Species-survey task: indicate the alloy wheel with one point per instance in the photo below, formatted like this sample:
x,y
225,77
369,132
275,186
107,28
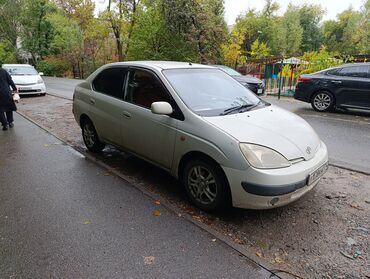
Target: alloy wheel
x,y
322,101
89,135
202,185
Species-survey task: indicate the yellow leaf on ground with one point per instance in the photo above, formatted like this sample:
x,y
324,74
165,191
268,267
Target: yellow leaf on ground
x,y
279,260
87,222
157,213
149,260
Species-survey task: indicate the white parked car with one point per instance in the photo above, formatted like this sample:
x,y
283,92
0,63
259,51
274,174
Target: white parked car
x,y
26,78
226,145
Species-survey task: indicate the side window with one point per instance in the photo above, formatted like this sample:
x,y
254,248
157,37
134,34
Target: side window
x,y
143,89
333,72
110,82
354,71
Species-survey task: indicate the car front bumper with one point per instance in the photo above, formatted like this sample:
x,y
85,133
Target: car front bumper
x,y
268,188
30,89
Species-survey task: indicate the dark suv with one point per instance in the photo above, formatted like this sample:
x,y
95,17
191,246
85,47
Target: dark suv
x,y
347,86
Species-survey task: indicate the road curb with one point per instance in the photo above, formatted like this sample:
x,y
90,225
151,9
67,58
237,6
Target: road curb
x,y
175,210
57,96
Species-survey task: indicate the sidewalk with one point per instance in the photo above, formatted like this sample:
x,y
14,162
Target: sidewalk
x,y
61,216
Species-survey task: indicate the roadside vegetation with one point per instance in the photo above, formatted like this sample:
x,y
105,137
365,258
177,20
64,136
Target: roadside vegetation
x,y
71,38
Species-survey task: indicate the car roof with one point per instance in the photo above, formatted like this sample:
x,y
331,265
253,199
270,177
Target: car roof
x,y
17,65
162,65
355,64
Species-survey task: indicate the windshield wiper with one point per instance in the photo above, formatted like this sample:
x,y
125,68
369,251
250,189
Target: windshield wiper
x,y
241,108
237,108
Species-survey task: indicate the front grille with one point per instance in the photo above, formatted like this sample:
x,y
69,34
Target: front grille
x,y
29,90
26,84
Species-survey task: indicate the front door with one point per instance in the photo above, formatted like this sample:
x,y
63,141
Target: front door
x,y
149,135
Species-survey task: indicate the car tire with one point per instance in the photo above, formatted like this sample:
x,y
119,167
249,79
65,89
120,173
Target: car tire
x,y
90,137
42,94
206,185
323,101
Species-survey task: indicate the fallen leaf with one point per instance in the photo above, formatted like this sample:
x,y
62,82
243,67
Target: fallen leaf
x,y
214,240
237,240
158,202
157,213
107,174
197,218
259,254
278,260
46,145
87,222
356,206
347,255
149,260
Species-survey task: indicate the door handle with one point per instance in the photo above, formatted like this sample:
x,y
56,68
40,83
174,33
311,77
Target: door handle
x,y
92,101
336,81
126,114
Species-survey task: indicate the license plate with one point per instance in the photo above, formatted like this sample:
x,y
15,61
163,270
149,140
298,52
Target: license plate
x,y
259,91
318,173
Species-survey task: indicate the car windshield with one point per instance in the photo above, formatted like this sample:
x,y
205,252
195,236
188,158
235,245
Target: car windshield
x,y
210,92
230,71
20,70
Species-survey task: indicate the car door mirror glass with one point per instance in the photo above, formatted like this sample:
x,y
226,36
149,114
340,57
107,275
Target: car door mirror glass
x,y
162,108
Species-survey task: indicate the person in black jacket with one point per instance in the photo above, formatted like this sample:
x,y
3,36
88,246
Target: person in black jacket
x,y
7,105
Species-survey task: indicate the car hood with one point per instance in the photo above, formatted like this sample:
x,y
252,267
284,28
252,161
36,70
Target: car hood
x,y
26,79
272,127
246,79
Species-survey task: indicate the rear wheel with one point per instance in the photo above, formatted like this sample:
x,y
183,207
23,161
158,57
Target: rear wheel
x,y
90,137
323,101
206,185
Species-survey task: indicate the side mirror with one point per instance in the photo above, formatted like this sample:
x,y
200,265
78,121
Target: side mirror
x,y
41,73
163,108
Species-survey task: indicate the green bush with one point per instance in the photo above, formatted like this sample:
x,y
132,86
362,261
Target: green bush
x,y
53,66
7,55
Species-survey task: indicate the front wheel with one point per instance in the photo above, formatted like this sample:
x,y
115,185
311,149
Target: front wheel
x,y
90,137
323,101
206,185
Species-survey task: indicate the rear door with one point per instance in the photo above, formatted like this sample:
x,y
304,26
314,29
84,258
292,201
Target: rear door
x,y
106,102
352,85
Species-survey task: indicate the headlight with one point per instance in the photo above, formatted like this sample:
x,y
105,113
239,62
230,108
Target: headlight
x,y
262,157
39,80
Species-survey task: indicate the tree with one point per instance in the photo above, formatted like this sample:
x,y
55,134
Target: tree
x,y
121,15
154,41
233,52
349,33
10,25
259,50
37,32
200,23
310,16
293,31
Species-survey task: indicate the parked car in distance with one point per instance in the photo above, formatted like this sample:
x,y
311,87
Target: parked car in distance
x,y
253,84
26,78
346,86
196,122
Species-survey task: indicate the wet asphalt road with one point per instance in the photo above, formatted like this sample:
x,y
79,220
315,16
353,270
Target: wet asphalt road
x,y
346,133
61,216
